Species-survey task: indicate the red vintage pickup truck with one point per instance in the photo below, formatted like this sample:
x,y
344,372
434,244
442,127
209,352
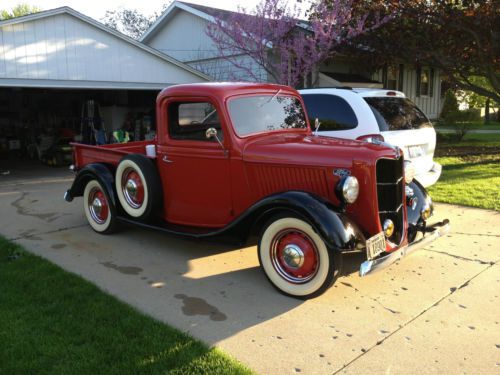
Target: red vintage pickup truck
x,y
239,159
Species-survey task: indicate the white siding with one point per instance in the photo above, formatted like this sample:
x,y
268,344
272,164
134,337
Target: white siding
x,y
223,70
64,48
183,36
430,105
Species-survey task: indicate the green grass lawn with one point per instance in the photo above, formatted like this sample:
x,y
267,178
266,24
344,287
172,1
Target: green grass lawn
x,y
480,140
477,125
469,180
54,322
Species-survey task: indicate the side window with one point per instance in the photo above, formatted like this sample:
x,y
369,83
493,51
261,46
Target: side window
x,y
190,121
333,112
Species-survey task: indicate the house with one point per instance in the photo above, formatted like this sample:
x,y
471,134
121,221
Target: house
x,y
53,62
180,32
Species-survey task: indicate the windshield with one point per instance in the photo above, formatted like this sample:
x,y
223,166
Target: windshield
x,y
264,113
397,114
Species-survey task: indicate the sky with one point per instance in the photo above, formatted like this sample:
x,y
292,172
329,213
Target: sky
x,y
97,8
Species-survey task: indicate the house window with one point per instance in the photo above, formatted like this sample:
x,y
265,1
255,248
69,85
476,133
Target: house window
x,y
392,78
425,82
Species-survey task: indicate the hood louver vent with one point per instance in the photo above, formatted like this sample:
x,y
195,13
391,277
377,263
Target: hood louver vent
x,y
271,179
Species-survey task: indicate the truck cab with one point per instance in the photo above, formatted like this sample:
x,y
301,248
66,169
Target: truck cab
x,y
239,159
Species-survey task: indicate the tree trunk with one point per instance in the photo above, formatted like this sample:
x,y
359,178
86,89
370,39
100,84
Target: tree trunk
x,y
487,112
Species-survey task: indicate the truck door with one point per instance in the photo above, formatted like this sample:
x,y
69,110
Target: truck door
x,y
194,169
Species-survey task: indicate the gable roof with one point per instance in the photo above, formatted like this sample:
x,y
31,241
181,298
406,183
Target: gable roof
x,y
202,11
106,29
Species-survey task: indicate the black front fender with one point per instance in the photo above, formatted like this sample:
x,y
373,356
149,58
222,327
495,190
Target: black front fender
x,y
96,171
335,228
423,198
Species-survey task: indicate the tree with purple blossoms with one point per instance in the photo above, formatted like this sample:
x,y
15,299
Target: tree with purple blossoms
x,y
286,47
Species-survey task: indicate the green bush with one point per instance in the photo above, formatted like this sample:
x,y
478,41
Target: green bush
x,y
449,113
471,114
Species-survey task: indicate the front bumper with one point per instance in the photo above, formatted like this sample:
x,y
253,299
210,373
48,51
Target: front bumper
x,y
432,233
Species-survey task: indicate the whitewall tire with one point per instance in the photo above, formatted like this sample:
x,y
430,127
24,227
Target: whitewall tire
x,y
138,186
98,209
295,259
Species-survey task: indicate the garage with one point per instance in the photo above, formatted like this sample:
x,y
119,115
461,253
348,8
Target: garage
x,y
65,77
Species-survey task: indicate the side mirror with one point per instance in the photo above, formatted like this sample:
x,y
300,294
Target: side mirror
x,y
317,124
212,133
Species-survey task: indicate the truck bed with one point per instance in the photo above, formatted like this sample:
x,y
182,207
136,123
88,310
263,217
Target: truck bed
x,y
110,154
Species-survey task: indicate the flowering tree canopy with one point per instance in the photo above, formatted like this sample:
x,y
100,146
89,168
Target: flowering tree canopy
x,y
460,37
286,47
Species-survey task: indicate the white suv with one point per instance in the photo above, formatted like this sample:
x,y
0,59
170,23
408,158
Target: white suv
x,y
376,115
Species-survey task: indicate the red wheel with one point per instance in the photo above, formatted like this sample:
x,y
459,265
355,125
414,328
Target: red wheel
x,y
132,188
295,258
98,211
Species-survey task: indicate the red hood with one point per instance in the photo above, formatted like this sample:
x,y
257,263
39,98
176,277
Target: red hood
x,y
307,149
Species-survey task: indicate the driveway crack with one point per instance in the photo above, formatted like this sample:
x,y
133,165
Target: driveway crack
x,y
371,298
28,236
460,257
478,234
380,342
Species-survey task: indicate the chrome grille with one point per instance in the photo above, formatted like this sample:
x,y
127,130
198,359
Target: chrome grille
x,y
390,185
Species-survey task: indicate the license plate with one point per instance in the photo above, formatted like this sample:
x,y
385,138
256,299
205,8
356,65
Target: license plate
x,y
375,245
415,151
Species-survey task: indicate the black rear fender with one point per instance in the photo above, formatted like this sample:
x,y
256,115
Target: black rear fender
x,y
96,171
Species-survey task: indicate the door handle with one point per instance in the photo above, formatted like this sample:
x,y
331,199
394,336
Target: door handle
x,y
166,159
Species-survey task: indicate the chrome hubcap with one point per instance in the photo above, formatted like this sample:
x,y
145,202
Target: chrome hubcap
x,y
131,188
293,256
97,206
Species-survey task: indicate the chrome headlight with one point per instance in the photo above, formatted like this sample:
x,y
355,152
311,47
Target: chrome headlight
x,y
349,189
409,171
426,212
388,227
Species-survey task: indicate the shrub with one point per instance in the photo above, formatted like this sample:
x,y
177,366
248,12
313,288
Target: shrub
x,y
469,115
450,106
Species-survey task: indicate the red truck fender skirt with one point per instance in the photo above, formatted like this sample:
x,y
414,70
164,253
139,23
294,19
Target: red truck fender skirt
x,y
335,228
96,171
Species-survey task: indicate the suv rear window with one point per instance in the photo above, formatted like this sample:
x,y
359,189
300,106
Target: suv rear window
x,y
332,111
397,114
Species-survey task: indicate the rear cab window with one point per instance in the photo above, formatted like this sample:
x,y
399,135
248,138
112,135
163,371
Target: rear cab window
x,y
190,120
397,114
332,111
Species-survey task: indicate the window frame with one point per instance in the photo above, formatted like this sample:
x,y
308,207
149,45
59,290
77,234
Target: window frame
x,y
421,72
205,142
396,70
240,96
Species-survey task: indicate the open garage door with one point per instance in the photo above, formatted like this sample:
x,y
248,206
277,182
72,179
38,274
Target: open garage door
x,y
37,125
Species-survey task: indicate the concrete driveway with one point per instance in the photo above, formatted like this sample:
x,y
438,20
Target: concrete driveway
x,y
435,312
